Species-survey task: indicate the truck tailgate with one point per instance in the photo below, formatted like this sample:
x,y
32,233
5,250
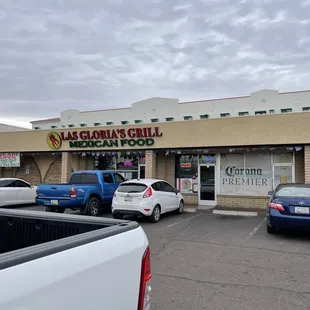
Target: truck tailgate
x,y
54,191
84,271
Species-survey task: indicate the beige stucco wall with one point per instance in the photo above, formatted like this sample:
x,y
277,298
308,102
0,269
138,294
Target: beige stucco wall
x,y
43,168
46,167
291,128
165,167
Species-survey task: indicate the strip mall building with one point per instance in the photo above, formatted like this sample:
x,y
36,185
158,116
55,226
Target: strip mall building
x,y
225,161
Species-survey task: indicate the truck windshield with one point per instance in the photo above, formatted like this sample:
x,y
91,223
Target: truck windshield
x,y
132,188
84,178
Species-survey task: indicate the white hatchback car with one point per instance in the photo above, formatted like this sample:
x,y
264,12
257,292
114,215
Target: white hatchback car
x,y
146,197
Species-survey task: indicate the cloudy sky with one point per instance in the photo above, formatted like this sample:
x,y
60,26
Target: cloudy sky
x,y
97,54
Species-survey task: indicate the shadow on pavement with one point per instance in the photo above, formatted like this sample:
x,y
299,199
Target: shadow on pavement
x,y
298,235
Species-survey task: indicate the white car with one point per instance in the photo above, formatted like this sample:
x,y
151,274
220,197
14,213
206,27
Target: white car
x,y
146,197
16,191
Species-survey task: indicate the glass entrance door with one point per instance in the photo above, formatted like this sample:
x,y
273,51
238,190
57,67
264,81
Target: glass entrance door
x,y
207,193
282,174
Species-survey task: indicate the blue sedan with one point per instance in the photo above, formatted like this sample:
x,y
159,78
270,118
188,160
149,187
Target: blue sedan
x,y
289,207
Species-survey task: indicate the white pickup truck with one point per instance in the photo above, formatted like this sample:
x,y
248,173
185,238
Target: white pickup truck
x,y
56,261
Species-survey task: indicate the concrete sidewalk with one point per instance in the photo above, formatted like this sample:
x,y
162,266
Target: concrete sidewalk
x,y
227,210
240,209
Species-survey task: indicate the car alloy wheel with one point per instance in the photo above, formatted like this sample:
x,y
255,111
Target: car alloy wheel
x,y
154,218
156,214
181,207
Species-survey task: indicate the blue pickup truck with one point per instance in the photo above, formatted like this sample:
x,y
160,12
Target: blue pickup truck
x,y
87,190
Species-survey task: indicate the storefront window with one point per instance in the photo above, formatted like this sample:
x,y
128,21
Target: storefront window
x,y
128,175
106,163
257,174
231,174
283,158
186,166
254,174
128,166
246,174
142,160
186,172
127,163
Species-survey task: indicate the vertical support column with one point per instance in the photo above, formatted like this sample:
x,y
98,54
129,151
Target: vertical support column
x,y
170,169
66,166
307,164
300,167
150,164
166,167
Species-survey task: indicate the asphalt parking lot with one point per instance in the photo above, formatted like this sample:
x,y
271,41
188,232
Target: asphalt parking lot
x,y
205,261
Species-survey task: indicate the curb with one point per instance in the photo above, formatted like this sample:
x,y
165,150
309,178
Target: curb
x,y
235,213
190,210
205,208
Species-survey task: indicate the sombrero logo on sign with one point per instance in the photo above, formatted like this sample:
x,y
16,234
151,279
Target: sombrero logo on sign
x,y
54,140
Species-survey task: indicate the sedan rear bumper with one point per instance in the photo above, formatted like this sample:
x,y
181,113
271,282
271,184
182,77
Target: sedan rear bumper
x,y
129,212
142,209
278,220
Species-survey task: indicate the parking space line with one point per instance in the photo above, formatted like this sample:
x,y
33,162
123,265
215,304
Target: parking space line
x,y
179,222
253,232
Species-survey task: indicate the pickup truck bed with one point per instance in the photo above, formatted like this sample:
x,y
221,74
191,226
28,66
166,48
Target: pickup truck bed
x,y
55,261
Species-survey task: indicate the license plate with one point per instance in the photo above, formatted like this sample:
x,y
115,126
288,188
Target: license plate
x,y
128,198
54,202
302,210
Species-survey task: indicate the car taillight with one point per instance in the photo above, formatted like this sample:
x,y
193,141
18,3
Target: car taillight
x,y
37,192
276,206
72,192
144,302
148,193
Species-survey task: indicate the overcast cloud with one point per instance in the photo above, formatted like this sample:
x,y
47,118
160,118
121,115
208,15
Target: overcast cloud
x,y
102,54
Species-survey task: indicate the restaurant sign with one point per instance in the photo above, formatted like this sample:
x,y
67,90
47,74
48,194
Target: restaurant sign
x,y
9,159
115,138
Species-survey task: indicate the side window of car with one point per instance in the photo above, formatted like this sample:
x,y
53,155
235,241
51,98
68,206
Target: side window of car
x,y
119,178
6,183
167,187
107,178
157,186
18,183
